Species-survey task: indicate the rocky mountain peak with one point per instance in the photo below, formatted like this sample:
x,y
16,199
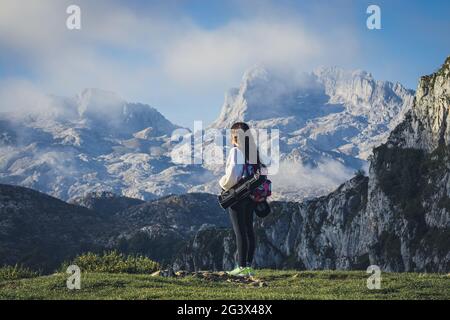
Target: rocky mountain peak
x,y
432,105
254,75
427,126
247,102
266,95
363,95
96,101
104,109
344,85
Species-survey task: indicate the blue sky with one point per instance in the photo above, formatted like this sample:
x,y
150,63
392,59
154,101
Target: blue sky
x,y
181,56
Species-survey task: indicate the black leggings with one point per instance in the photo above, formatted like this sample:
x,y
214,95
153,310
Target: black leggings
x,y
241,215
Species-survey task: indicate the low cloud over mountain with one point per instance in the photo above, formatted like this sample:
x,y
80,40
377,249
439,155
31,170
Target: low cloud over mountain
x,y
328,120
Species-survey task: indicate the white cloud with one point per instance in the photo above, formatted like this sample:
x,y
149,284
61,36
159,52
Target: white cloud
x,y
18,95
304,181
205,56
158,56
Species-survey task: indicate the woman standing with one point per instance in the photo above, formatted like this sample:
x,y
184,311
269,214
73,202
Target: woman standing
x,y
243,160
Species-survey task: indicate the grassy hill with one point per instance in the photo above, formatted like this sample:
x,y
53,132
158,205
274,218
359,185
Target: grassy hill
x,y
269,284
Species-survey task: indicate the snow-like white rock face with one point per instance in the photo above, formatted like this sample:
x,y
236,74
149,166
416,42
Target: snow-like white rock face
x,y
398,218
94,142
329,121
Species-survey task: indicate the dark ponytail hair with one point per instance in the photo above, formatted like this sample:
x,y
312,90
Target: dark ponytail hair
x,y
245,127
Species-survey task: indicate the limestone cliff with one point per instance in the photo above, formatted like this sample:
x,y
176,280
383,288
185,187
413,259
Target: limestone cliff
x,y
397,218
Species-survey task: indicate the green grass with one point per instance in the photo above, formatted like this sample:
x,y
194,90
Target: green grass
x,y
281,285
16,272
112,262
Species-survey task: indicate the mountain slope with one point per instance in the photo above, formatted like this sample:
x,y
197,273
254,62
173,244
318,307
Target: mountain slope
x,y
331,109
324,233
159,228
40,231
95,142
329,120
105,202
409,181
398,218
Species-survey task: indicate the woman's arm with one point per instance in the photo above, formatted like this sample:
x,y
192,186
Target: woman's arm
x,y
233,170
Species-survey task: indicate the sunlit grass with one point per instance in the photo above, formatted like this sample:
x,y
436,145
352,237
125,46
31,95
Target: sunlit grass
x,y
280,285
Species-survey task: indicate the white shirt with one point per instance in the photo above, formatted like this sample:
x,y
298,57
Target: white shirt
x,y
233,170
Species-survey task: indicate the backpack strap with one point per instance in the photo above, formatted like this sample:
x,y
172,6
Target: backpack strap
x,y
246,166
244,170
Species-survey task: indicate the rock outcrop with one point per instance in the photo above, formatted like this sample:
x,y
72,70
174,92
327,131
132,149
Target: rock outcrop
x,y
397,218
409,185
105,202
324,233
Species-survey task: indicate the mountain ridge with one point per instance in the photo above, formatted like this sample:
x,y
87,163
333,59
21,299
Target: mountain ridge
x,y
41,231
397,218
96,141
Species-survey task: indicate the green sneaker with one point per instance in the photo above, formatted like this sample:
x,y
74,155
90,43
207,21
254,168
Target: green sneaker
x,y
249,271
242,272
238,271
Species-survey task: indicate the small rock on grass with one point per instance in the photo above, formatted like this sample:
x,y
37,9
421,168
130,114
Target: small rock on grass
x,y
181,273
168,273
156,273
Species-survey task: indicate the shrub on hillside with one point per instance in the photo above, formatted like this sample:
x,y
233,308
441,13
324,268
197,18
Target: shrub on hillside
x,y
113,262
16,272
